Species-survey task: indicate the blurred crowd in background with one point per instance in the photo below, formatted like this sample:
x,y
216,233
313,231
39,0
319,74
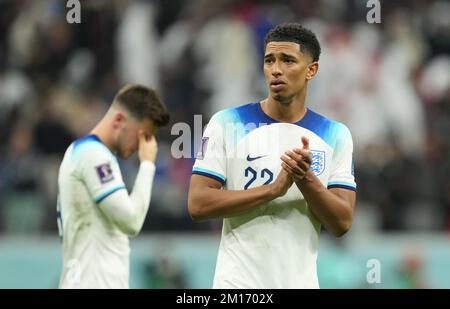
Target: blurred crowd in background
x,y
388,82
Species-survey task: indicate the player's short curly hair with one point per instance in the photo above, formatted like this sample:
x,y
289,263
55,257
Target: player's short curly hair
x,y
294,32
142,103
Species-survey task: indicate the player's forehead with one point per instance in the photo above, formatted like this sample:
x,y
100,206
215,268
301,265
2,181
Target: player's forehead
x,y
146,125
279,48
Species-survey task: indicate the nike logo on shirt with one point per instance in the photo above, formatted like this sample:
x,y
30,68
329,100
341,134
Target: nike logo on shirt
x,y
254,158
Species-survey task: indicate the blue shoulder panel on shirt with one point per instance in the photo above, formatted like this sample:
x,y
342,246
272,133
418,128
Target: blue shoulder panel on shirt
x,y
252,117
326,129
88,142
86,139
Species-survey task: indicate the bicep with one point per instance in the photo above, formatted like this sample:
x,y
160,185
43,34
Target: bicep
x,y
349,196
200,188
200,182
202,192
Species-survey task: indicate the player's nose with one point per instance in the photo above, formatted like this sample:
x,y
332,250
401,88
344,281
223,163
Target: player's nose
x,y
276,70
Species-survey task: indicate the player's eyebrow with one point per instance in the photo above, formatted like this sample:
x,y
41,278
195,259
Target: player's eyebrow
x,y
287,56
282,55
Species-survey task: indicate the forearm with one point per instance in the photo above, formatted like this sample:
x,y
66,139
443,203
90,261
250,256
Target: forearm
x,y
208,203
128,212
141,194
333,211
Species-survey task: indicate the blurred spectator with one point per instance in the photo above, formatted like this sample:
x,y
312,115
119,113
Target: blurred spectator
x,y
411,270
165,273
21,199
136,41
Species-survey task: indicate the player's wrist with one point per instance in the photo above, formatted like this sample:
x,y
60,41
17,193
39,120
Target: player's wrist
x,y
148,164
150,158
301,181
274,190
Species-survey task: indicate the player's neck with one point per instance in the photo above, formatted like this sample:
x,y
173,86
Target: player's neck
x,y
104,134
292,112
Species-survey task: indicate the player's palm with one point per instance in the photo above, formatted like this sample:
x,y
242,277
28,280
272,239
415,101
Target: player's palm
x,y
148,148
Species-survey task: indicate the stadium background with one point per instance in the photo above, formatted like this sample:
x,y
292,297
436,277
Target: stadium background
x,y
389,82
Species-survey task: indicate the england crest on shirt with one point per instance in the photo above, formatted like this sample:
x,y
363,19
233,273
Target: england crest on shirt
x,y
318,161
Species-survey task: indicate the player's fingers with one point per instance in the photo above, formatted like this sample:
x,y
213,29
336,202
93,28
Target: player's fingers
x,y
141,136
152,140
305,154
149,138
293,166
305,142
299,167
303,166
287,169
300,151
288,161
293,155
291,173
307,157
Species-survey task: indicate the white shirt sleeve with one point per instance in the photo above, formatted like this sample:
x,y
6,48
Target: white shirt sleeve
x,y
100,172
211,157
342,173
129,212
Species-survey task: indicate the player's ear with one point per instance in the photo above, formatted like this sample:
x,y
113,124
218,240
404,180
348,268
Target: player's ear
x,y
118,119
312,70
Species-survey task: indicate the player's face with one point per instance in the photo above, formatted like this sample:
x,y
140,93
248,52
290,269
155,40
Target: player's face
x,y
286,70
128,137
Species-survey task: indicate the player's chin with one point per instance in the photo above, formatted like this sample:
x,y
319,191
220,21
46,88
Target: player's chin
x,y
279,97
279,93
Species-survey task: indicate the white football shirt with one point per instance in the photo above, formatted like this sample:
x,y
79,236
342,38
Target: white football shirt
x,y
95,251
274,245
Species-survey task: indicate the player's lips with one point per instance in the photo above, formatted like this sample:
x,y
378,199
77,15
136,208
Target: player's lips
x,y
277,84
